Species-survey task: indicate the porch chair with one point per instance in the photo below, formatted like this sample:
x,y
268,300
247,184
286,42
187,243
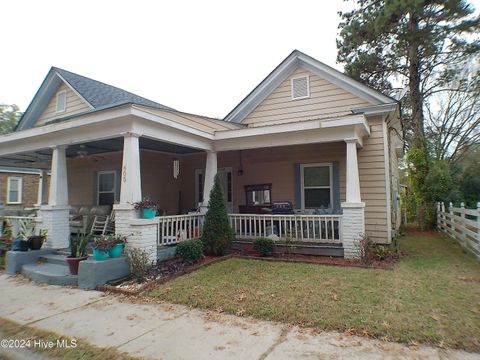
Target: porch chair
x,y
100,224
110,229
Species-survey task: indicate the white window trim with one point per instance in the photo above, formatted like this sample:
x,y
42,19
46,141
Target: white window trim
x,y
202,171
65,105
308,87
302,167
20,189
114,185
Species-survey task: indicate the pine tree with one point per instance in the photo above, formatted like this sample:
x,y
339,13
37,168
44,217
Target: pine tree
x,y
418,43
217,234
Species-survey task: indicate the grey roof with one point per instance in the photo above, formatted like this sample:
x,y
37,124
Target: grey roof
x,y
101,95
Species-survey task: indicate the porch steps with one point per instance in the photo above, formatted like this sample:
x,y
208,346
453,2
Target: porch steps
x,y
50,269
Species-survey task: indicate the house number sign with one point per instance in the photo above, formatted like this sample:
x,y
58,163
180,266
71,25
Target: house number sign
x,y
124,174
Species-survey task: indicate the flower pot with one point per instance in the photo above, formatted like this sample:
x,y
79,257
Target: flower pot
x,y
74,262
148,213
116,251
36,242
100,255
20,245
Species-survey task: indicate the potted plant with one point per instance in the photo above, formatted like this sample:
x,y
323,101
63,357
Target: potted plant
x,y
101,246
21,242
36,241
148,207
118,244
78,251
6,236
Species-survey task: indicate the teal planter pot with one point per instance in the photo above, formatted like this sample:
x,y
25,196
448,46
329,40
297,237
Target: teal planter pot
x,y
116,251
149,213
100,255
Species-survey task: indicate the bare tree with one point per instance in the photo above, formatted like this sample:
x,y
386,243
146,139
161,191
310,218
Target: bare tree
x,y
453,121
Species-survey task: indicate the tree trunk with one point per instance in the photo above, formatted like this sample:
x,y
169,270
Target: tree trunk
x,y
419,160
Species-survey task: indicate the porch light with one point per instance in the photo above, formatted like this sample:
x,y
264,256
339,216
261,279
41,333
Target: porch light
x,y
176,168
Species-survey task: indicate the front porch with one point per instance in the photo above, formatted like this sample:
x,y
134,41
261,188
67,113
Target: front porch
x,y
312,165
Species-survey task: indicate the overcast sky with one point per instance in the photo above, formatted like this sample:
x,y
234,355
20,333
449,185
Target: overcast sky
x,y
195,56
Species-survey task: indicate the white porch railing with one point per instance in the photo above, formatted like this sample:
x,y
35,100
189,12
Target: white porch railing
x,y
175,228
15,223
307,228
314,228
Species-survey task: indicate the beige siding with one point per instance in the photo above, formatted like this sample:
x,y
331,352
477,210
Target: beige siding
x,y
371,164
326,101
75,105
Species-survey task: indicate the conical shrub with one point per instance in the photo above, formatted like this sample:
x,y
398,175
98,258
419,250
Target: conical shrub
x,y
217,233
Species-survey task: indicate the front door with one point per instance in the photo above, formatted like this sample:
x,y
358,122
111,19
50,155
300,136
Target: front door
x,y
226,179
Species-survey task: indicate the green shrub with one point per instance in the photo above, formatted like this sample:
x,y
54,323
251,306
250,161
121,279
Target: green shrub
x,y
381,252
264,246
191,251
217,233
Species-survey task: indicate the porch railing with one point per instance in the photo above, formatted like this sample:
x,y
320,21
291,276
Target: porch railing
x,y
175,228
307,228
314,228
15,222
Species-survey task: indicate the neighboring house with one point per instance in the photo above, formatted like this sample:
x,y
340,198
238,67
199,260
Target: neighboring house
x,y
22,189
307,134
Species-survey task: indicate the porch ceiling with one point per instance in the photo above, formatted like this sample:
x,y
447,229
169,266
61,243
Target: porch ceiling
x,y
41,158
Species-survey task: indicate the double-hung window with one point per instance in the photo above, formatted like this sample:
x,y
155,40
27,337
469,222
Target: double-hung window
x,y
14,190
317,189
106,187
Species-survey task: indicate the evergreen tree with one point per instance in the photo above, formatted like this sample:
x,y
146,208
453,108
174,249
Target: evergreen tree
x,y
416,43
217,234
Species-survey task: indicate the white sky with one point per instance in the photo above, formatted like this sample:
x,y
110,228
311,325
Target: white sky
x,y
199,56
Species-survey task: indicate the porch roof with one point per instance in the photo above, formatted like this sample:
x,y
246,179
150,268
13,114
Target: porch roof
x,y
174,130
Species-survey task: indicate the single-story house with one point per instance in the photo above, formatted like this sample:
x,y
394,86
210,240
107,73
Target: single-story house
x,y
308,154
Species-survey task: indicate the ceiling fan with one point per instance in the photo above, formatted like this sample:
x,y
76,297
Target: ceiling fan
x,y
82,152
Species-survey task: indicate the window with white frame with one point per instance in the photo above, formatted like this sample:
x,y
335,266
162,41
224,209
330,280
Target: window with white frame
x,y
106,187
61,101
14,190
300,87
317,189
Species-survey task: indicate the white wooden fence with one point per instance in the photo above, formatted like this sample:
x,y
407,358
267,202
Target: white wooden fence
x,y
461,224
314,228
175,228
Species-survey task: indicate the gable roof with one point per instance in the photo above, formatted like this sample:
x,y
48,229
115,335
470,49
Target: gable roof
x,y
286,67
96,94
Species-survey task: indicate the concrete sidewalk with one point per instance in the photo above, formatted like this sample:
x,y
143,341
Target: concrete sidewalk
x,y
167,331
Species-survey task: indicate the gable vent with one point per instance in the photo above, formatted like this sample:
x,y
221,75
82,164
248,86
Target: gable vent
x,y
300,87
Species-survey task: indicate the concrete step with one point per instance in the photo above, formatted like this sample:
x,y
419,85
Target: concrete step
x,y
54,259
49,273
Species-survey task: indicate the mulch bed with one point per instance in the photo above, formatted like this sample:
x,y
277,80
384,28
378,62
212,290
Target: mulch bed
x,y
160,273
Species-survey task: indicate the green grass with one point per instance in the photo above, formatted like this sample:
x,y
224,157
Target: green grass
x,y
431,296
83,350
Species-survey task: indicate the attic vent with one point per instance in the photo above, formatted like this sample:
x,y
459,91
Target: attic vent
x,y
300,87
61,101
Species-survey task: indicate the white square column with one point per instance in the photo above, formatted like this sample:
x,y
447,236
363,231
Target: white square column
x,y
210,172
55,215
353,219
142,233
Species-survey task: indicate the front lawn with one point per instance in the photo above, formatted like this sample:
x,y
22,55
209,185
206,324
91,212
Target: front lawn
x,y
431,296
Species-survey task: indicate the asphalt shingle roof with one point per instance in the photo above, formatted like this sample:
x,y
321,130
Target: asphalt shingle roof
x,y
101,95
